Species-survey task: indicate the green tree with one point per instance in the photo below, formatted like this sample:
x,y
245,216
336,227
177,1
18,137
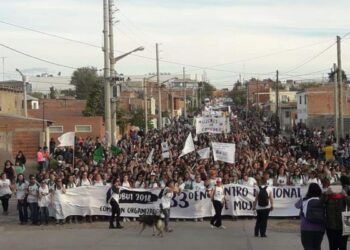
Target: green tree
x,y
239,96
67,92
38,95
207,89
53,93
138,118
332,73
95,101
84,79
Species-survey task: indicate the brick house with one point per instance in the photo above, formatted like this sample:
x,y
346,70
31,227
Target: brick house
x,y
259,91
20,133
67,116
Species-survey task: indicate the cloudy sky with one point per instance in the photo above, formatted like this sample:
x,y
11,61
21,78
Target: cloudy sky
x,y
224,38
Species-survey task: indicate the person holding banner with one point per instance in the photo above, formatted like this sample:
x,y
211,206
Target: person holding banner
x,y
218,199
263,204
166,195
112,198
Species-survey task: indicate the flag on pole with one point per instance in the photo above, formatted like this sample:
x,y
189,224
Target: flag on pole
x,y
189,146
98,154
67,139
150,157
116,150
204,153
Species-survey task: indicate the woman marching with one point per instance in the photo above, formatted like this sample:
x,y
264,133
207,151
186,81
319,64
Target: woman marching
x,y
218,198
312,230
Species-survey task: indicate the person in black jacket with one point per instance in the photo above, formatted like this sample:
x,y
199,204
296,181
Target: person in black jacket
x,y
336,201
20,158
113,199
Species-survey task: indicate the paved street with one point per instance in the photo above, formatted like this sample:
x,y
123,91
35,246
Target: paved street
x,y
283,234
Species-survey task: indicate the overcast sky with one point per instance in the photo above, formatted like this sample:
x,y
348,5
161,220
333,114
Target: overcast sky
x,y
227,37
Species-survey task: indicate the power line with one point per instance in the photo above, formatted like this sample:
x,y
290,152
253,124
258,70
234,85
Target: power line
x,y
311,59
50,34
36,58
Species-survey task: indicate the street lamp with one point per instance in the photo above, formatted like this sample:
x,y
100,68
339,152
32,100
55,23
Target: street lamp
x,y
24,79
116,59
113,61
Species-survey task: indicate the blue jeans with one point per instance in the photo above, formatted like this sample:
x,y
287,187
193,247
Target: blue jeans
x,y
166,212
22,211
44,215
34,212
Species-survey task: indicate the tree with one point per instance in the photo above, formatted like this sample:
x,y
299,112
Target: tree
x,y
84,79
38,95
95,101
207,89
238,96
138,118
53,93
68,92
332,73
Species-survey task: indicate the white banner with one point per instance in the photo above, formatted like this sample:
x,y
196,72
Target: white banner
x,y
204,153
189,146
224,152
91,200
67,139
212,125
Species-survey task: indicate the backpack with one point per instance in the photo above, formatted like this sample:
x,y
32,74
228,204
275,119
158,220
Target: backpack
x,y
263,197
315,211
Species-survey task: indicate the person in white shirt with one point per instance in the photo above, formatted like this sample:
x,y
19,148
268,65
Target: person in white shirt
x,y
32,199
43,202
218,198
198,185
57,200
21,192
140,182
263,204
98,180
314,179
5,192
166,196
84,180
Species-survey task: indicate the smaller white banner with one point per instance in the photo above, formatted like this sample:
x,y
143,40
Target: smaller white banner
x,y
224,152
150,157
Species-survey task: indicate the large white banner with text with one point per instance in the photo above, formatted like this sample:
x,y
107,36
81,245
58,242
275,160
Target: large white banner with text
x,y
214,125
187,204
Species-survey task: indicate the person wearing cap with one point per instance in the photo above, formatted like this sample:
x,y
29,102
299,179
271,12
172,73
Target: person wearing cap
x,y
218,198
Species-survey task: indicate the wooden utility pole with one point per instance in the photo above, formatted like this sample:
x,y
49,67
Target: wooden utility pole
x,y
336,103
340,89
277,94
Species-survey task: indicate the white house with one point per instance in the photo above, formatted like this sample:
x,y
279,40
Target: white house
x,y
301,99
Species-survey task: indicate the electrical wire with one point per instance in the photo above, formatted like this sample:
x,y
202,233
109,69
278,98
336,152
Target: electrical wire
x,y
309,60
36,58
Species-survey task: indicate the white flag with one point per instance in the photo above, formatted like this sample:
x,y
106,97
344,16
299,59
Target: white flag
x,y
67,139
204,153
150,157
189,146
224,152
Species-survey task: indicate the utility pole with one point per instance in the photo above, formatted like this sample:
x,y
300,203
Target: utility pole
x,y
146,104
113,100
340,87
107,89
159,90
3,68
336,102
25,105
277,98
185,93
247,100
